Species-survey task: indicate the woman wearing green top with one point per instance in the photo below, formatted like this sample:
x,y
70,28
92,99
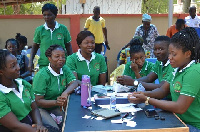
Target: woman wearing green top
x,y
86,61
52,86
137,67
184,84
18,110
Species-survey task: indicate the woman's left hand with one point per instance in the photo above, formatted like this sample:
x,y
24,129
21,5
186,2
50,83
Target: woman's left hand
x,y
39,128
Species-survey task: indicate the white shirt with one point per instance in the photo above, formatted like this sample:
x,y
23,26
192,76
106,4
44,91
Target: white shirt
x,y
192,22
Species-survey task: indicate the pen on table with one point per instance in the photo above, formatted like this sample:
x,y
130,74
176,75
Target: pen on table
x,y
125,115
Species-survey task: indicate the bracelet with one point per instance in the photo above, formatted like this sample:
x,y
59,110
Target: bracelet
x,y
147,101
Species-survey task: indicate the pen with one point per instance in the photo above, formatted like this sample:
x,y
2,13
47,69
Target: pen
x,y
125,115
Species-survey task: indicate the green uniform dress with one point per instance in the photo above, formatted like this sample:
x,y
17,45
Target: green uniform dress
x,y
45,37
19,103
162,71
93,68
49,84
186,82
146,69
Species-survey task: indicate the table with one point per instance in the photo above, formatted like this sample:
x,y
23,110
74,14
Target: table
x,y
74,121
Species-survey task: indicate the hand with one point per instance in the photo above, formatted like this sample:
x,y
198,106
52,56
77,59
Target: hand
x,y
64,95
125,80
107,46
39,128
134,66
60,101
137,97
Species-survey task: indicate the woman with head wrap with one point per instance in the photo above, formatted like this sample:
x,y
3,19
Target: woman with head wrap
x,y
148,32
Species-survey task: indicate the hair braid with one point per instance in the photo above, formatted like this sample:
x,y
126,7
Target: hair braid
x,y
187,39
48,52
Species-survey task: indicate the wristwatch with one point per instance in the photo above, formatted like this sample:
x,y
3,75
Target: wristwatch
x,y
135,83
147,101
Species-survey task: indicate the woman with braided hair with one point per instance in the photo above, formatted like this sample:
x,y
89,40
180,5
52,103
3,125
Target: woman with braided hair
x,y
137,67
184,84
52,86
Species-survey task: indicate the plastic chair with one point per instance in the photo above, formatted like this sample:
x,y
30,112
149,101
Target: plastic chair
x,y
35,62
105,49
198,31
153,60
117,72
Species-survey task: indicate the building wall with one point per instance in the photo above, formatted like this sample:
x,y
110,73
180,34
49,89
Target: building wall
x,y
106,6
121,28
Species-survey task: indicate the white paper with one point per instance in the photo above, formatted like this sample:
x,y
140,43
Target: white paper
x,y
131,123
117,121
127,108
86,117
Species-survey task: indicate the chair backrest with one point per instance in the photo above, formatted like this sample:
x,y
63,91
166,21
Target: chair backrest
x,y
104,51
153,60
35,62
117,72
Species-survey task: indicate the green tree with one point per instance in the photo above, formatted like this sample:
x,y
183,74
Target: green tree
x,y
154,6
28,8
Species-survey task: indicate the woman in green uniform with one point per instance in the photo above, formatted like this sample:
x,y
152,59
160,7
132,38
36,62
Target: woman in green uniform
x,y
86,61
137,67
184,84
52,86
18,110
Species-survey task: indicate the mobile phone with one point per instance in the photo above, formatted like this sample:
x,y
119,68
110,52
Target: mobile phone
x,y
150,113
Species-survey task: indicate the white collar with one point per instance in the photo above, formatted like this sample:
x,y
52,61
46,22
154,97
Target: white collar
x,y
53,72
5,89
56,26
188,65
166,64
194,17
81,58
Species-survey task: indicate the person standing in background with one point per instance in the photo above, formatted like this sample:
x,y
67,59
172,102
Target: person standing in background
x,y
148,32
180,24
96,25
49,34
192,20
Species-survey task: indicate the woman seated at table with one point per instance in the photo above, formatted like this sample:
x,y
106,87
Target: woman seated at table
x,y
184,84
137,67
52,86
18,110
86,61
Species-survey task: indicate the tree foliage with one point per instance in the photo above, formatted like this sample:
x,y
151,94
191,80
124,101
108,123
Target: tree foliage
x,y
29,8
155,6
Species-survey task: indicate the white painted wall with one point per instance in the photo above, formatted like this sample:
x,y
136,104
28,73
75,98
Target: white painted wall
x,y
106,6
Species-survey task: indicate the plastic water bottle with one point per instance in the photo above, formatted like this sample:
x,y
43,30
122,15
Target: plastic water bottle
x,y
113,102
85,91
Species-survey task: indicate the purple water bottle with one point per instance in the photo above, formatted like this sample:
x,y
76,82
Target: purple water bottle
x,y
85,91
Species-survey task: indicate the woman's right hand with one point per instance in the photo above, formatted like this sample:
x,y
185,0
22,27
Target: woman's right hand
x,y
60,101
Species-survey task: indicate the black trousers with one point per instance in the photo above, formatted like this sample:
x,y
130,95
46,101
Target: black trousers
x,y
98,48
